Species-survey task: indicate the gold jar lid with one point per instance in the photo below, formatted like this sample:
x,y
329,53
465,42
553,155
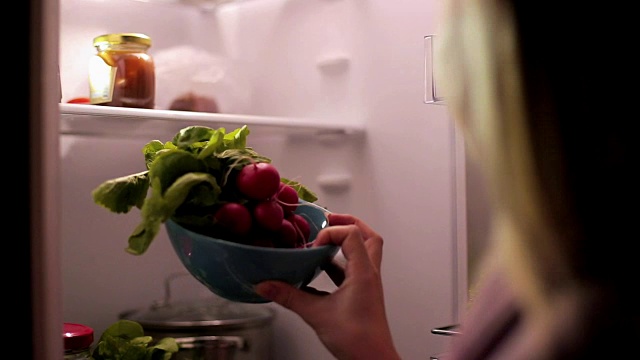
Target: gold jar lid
x,y
122,38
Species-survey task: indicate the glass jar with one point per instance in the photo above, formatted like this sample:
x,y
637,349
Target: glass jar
x,y
77,341
122,73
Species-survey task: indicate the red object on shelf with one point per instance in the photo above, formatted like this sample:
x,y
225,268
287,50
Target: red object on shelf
x,y
77,336
79,100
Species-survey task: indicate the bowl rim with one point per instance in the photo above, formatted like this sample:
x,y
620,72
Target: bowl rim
x,y
309,248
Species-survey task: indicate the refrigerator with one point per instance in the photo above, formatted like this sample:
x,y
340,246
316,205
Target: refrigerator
x,y
335,92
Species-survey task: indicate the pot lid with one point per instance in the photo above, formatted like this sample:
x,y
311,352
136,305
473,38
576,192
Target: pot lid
x,y
215,312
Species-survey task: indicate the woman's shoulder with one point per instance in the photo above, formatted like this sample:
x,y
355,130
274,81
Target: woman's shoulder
x,y
491,316
581,322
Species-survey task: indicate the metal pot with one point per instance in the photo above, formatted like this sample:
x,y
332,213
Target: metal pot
x,y
209,329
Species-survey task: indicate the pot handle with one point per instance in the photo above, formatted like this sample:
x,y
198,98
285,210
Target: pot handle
x,y
167,289
219,342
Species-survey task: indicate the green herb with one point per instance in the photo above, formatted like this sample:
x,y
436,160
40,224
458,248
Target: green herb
x,y
185,179
125,340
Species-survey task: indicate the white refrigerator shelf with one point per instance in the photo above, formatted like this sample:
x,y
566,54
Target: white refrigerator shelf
x,y
109,121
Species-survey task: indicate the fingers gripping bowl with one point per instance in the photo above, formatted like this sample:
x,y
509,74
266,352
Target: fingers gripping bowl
x,y
230,269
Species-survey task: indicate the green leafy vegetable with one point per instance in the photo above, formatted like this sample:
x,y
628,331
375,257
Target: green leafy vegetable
x,y
125,340
188,176
121,194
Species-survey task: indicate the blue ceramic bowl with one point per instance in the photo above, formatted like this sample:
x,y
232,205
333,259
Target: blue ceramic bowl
x,y
231,270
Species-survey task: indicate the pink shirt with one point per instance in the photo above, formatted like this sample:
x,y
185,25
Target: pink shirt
x,y
591,325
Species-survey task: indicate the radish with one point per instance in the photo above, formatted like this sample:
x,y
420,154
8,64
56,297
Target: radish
x,y
258,181
233,217
302,227
287,234
288,198
268,214
262,240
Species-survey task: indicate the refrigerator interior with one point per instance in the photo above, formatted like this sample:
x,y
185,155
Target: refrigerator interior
x,y
332,92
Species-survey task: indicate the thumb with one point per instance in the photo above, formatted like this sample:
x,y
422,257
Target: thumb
x,y
283,294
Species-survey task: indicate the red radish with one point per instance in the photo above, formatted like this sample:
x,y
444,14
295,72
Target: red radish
x,y
288,198
302,226
258,181
268,214
234,217
287,234
262,241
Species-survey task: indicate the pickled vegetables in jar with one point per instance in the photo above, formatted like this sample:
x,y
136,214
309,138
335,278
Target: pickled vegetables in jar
x,y
122,73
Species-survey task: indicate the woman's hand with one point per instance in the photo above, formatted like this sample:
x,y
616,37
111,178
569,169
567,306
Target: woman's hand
x,y
351,322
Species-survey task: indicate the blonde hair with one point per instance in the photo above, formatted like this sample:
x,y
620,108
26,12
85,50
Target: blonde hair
x,y
478,64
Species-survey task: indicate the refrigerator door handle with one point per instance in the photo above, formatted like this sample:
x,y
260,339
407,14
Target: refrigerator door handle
x,y
431,95
448,330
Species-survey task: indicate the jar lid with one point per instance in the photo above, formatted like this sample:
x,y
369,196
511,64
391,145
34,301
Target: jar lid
x,y
77,336
122,38
199,314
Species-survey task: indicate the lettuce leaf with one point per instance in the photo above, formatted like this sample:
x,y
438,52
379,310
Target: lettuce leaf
x,y
125,340
161,206
122,194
